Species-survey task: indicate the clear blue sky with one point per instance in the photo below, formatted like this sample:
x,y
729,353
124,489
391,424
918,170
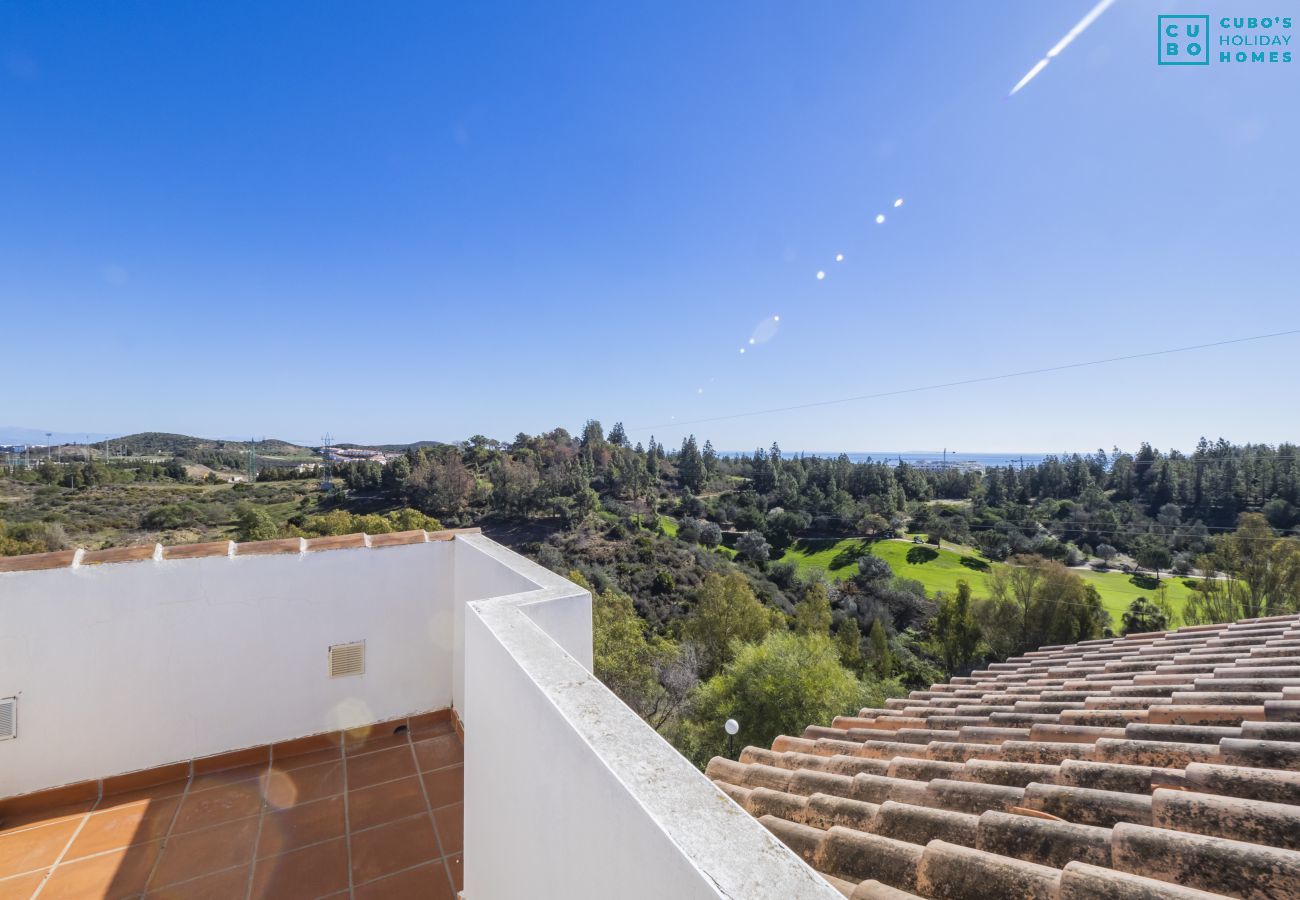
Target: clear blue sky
x,y
415,220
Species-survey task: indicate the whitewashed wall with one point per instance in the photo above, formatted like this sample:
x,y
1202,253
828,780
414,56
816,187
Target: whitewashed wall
x,y
568,793
127,666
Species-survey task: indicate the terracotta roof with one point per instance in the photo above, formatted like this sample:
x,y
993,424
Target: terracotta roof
x,y
62,559
1162,765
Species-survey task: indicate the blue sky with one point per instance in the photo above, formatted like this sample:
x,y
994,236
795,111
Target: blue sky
x,y
427,221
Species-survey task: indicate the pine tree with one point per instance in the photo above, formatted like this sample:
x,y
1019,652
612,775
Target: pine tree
x,y
848,640
812,614
882,660
690,465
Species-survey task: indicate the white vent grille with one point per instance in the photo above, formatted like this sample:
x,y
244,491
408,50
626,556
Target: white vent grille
x,y
348,659
8,718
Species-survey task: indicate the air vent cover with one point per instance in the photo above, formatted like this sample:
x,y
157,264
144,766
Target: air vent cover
x,y
8,718
348,659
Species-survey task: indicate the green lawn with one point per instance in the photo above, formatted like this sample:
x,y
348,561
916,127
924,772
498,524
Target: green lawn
x,y
939,569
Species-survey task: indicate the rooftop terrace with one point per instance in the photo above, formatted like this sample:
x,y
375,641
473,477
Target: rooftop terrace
x,y
414,715
182,728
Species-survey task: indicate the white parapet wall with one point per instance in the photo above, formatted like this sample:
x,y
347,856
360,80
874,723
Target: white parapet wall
x,y
568,793
127,666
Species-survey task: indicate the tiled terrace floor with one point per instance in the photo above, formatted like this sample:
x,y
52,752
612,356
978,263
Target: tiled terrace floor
x,y
373,815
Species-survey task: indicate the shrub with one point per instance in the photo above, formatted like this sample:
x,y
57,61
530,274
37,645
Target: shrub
x,y
253,524
171,516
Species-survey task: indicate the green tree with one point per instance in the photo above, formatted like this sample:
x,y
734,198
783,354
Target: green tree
x,y
956,637
1151,553
651,674
1142,616
812,614
1268,567
727,615
1258,574
690,466
848,638
753,547
253,524
771,688
881,659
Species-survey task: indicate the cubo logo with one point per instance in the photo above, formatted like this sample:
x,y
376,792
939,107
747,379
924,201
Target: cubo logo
x,y
1183,40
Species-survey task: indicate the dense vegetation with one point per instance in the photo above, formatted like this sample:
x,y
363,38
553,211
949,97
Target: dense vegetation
x,y
769,589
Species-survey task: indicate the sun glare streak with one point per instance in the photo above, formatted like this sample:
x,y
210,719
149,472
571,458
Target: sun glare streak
x,y
1079,28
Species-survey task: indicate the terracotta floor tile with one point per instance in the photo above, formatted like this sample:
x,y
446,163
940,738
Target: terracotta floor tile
x,y
299,826
445,786
370,738
176,775
203,809
135,795
451,827
431,724
329,741
426,882
225,885
228,776
307,873
382,803
198,853
121,873
19,821
284,789
35,848
43,801
383,765
232,761
438,752
389,848
22,887
302,760
122,826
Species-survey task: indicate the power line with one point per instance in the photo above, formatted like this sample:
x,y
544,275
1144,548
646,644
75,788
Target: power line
x,y
966,381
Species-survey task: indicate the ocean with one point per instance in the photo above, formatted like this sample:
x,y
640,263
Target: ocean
x,y
926,457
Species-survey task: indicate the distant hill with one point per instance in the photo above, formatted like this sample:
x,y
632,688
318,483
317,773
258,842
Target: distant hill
x,y
395,448
160,443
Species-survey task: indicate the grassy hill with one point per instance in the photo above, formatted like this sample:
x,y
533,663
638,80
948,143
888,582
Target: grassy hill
x,y
939,569
161,443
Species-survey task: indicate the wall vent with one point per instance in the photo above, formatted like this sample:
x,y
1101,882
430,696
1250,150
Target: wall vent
x,y
8,718
348,659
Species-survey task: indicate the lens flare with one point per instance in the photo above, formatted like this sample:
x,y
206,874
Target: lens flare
x,y
880,219
821,275
898,203
839,257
